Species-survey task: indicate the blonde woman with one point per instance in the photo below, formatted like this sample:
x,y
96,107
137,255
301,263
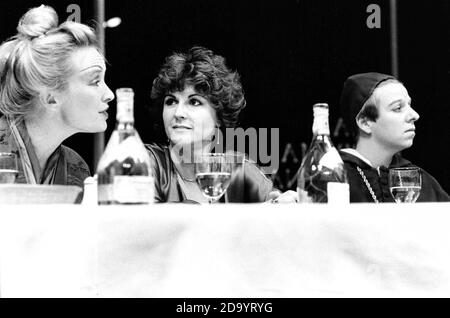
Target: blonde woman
x,y
51,87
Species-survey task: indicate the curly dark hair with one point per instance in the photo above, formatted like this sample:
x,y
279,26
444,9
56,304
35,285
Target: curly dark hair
x,y
208,75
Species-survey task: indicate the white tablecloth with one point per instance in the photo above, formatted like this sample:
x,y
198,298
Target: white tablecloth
x,y
260,250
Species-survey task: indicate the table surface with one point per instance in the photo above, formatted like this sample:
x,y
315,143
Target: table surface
x,y
232,250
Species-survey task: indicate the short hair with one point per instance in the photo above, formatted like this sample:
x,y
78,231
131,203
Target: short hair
x,y
370,108
38,57
209,75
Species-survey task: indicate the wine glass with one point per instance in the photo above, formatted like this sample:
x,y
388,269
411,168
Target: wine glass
x,y
213,172
8,167
405,184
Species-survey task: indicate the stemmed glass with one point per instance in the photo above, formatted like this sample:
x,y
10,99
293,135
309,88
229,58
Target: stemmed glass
x,y
213,172
405,184
8,167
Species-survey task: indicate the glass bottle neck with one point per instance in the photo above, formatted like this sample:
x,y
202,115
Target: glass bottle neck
x,y
320,123
323,139
320,126
125,125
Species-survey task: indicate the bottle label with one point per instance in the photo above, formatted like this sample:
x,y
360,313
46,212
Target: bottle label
x,y
320,124
338,193
125,104
133,189
125,111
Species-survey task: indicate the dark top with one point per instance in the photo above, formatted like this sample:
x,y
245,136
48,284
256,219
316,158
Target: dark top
x,y
379,181
249,185
63,167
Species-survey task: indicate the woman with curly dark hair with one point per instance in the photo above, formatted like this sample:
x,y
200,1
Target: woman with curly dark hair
x,y
200,95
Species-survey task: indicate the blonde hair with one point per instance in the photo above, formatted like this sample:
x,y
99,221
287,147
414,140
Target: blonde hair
x,y
38,57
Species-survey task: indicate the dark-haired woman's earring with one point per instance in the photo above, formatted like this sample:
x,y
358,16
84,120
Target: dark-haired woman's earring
x,y
218,135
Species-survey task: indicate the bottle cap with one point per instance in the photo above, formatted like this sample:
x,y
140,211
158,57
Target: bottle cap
x,y
125,104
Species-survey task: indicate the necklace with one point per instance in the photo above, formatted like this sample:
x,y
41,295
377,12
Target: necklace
x,y
183,177
363,176
179,172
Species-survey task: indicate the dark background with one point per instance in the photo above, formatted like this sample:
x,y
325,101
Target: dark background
x,y
290,54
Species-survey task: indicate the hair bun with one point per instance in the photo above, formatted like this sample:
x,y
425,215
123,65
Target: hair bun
x,y
37,21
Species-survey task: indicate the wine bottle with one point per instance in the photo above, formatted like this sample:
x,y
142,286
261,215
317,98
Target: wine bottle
x,y
124,174
322,177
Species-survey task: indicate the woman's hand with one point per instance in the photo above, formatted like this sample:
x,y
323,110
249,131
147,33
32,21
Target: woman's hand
x,y
286,197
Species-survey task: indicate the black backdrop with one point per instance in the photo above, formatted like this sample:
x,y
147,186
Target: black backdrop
x,y
290,54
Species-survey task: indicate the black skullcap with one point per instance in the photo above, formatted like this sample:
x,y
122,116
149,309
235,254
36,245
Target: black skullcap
x,y
357,90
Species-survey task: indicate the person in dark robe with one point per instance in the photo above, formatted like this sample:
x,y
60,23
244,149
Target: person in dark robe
x,y
377,110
